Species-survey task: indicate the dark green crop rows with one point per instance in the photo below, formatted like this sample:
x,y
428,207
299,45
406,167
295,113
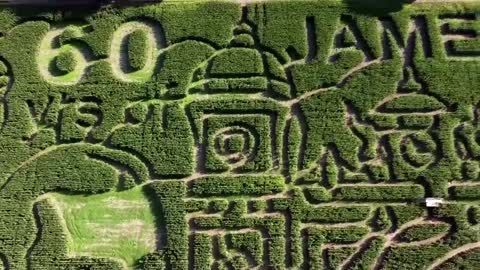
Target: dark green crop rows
x,y
275,135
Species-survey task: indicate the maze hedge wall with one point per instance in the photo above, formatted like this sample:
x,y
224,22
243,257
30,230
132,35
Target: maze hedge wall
x,y
278,135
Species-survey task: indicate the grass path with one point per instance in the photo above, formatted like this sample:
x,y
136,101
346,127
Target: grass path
x,y
119,56
49,52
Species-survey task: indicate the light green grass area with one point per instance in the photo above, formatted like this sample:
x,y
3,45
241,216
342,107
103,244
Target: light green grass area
x,y
114,224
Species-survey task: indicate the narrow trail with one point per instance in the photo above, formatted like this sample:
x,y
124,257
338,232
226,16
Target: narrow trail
x,y
419,221
28,161
391,242
367,239
342,80
452,254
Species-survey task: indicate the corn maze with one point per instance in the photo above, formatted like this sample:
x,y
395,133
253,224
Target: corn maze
x,y
275,135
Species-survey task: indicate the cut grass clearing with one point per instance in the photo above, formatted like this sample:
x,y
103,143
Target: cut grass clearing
x,y
114,224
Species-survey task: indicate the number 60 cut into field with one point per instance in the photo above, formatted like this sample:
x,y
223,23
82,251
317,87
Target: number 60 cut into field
x,y
134,54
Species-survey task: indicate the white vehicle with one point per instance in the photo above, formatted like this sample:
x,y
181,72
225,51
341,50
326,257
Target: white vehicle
x,y
433,202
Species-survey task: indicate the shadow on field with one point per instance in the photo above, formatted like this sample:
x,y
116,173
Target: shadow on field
x,y
376,7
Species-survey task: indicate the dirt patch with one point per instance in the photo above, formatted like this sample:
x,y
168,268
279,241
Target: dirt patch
x,y
116,203
134,229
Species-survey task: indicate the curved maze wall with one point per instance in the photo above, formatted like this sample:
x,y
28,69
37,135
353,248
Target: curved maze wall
x,y
276,135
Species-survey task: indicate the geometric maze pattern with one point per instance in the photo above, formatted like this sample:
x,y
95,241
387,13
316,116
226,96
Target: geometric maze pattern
x,y
268,136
